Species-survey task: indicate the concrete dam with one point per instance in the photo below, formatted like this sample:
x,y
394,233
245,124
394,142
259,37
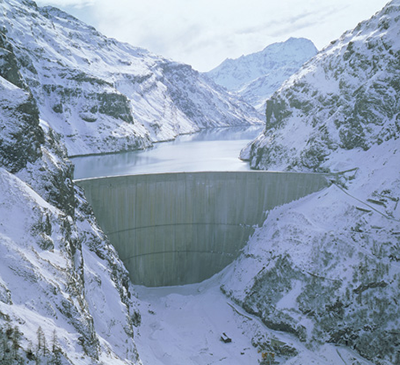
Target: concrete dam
x,y
182,228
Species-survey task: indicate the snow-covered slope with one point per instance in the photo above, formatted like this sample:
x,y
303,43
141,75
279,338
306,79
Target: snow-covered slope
x,y
326,268
105,96
257,76
64,294
184,325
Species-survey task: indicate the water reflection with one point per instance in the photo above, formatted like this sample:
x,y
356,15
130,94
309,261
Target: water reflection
x,y
209,150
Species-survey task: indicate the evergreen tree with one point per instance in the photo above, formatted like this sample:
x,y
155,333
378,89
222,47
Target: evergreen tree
x,y
41,343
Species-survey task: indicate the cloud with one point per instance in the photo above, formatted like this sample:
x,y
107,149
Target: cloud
x,y
79,4
273,24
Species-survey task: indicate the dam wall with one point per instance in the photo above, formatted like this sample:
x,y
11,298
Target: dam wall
x,y
182,228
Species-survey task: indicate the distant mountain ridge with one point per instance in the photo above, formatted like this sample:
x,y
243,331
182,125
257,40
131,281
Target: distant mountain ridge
x,y
256,76
102,95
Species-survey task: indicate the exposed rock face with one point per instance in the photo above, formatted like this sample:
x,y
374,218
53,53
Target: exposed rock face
x,y
257,76
64,294
325,271
326,268
21,122
201,101
101,95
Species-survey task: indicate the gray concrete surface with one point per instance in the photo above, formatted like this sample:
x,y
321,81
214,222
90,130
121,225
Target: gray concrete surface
x,y
182,228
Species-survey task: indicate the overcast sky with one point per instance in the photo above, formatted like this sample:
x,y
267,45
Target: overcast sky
x,y
203,33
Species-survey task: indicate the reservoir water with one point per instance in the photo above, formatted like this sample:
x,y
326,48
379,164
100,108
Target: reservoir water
x,y
209,150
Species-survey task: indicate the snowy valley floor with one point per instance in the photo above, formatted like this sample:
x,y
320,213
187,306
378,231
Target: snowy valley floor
x,y
184,324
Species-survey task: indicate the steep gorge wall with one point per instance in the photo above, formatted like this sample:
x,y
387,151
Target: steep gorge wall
x,y
181,228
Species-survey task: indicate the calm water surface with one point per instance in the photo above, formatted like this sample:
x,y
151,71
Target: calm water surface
x,y
210,150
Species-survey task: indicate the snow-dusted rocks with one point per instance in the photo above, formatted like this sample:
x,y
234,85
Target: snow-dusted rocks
x,y
20,136
326,268
255,77
105,96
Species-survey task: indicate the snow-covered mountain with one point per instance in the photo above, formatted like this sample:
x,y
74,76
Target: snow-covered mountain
x,y
326,268
255,77
64,294
323,271
102,95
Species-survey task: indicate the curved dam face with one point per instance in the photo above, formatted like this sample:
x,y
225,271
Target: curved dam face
x,y
182,228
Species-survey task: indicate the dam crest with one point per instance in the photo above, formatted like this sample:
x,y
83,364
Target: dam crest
x,y
182,228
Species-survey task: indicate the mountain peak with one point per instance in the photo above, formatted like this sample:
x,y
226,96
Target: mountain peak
x,y
256,76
